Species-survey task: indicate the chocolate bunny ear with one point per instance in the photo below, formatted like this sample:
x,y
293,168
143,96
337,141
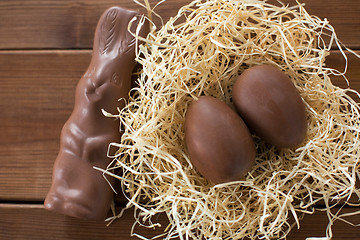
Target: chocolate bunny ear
x,y
112,32
109,25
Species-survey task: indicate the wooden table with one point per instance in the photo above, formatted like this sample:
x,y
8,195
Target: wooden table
x,y
45,47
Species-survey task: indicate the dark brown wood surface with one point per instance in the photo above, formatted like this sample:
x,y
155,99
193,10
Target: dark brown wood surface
x,y
30,221
45,47
44,24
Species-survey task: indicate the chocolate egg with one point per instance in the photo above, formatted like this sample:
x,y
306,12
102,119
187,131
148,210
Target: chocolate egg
x,y
271,106
220,145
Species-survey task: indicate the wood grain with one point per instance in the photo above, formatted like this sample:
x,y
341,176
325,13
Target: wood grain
x,y
69,24
30,222
44,24
34,222
36,98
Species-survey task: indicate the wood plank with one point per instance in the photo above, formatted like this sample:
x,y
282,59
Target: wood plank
x,y
36,98
19,222
34,222
43,24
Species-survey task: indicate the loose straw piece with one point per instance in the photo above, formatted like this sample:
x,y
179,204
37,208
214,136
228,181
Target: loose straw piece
x,y
204,54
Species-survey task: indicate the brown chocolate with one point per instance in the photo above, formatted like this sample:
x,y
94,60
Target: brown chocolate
x,y
271,106
78,189
219,143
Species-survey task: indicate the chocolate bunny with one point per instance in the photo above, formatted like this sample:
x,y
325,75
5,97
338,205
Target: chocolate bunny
x,y
78,189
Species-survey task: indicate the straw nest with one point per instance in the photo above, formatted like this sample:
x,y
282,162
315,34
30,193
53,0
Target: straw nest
x,y
201,51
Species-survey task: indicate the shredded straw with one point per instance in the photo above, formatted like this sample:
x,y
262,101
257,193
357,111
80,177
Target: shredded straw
x,y
201,51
